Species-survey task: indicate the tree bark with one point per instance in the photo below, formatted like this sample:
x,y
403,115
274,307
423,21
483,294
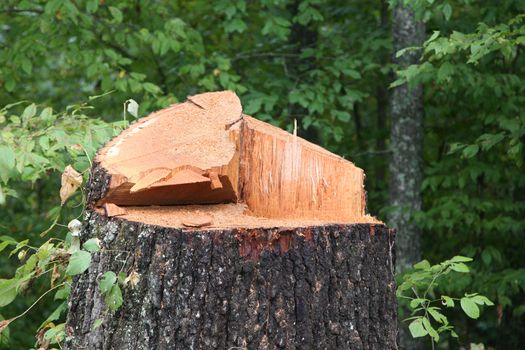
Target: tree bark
x,y
406,143
325,287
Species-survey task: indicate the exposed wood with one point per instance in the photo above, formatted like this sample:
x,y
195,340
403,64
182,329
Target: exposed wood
x,y
284,176
205,151
111,210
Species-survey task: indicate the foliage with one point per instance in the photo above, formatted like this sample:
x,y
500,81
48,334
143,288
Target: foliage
x,y
426,306
474,179
325,64
34,144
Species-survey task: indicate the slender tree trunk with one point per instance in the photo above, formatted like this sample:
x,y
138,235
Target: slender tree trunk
x,y
406,143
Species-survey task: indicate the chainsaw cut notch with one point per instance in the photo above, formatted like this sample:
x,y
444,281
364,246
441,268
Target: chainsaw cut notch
x,y
205,151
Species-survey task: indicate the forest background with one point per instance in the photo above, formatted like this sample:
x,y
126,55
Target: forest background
x,y
333,66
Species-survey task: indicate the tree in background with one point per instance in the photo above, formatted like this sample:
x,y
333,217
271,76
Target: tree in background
x,y
406,145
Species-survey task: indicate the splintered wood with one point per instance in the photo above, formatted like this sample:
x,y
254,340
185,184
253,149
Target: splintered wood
x,y
205,151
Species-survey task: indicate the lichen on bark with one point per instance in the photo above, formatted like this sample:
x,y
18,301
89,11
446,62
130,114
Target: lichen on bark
x,y
333,288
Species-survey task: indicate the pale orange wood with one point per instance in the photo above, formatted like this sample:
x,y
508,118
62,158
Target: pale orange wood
x,y
197,220
205,151
191,135
111,210
284,176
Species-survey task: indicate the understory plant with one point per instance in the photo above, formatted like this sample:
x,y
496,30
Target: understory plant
x,y
37,147
419,291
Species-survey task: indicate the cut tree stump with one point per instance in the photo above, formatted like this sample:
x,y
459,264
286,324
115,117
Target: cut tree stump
x,y
234,234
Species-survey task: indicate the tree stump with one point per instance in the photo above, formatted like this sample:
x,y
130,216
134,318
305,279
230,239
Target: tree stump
x,y
233,234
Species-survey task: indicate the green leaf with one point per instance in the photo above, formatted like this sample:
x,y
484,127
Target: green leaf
x,y
480,300
235,25
470,151
116,13
151,88
29,112
7,162
121,278
469,307
447,11
460,267
63,293
56,333
92,245
430,329
459,258
416,302
19,245
486,257
92,6
4,244
438,316
433,37
8,291
416,328
27,66
10,84
108,280
46,112
55,315
114,298
422,265
78,262
448,301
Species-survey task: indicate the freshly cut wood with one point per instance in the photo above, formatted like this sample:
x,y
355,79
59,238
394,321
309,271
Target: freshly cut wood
x,y
207,151
237,235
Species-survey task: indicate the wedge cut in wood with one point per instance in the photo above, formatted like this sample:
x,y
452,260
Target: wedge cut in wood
x,y
206,151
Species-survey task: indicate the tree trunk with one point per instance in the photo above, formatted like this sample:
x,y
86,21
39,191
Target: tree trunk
x,y
261,241
323,287
406,143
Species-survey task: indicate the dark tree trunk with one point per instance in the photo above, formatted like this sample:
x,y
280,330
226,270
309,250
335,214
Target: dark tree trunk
x,y
406,143
327,287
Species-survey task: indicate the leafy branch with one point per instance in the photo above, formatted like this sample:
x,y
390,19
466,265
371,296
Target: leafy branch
x,y
418,288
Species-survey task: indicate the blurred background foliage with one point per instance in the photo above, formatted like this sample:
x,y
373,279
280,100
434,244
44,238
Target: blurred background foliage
x,y
326,64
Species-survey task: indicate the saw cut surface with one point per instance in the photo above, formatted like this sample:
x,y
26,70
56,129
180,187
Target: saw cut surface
x,y
217,216
204,152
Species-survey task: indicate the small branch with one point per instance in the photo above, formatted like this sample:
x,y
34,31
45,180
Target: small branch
x,y
372,153
36,301
22,11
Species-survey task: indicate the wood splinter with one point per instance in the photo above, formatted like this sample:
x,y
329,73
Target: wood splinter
x,y
111,210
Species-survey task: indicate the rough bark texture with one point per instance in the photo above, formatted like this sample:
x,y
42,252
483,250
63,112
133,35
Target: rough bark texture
x,y
326,287
406,143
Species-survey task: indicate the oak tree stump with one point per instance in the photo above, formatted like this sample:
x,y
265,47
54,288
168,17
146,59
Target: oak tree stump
x,y
238,235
